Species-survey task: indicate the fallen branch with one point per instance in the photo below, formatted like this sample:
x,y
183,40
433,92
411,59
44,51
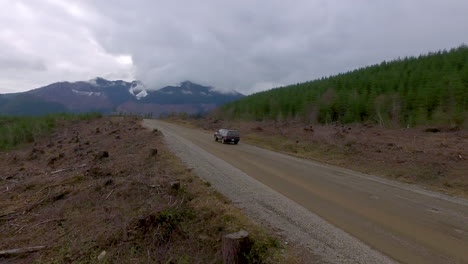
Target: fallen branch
x,y
8,214
20,250
55,185
57,171
43,222
107,197
70,168
181,201
47,221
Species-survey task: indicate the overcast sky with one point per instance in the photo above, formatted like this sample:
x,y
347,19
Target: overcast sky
x,y
243,45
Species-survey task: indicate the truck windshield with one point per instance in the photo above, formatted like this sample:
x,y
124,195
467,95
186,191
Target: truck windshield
x,y
233,133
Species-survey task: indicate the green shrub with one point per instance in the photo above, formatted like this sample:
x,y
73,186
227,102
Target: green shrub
x,y
261,250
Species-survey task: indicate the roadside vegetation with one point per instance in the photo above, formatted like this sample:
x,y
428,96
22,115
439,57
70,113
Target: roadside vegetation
x,y
431,89
106,190
16,130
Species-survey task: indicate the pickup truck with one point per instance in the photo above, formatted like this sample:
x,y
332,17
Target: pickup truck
x,y
227,136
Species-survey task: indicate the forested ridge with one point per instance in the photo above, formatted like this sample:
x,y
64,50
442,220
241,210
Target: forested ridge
x,y
431,89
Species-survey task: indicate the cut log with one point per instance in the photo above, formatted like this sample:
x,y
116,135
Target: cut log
x,y
17,251
235,247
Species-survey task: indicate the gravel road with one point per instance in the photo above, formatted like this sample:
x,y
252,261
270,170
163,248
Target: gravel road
x,y
311,204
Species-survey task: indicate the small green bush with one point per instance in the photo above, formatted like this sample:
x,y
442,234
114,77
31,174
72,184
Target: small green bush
x,y
261,250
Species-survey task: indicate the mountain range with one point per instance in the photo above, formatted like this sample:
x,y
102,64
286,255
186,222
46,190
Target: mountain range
x,y
115,97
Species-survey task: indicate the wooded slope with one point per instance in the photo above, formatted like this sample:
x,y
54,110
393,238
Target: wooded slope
x,y
431,89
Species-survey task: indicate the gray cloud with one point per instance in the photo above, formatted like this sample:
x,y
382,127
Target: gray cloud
x,y
48,41
244,45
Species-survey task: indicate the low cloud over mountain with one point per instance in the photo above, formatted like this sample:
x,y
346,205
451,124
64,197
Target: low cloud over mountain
x,y
115,96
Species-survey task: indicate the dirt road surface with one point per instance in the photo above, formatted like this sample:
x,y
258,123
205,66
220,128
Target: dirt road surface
x,y
307,200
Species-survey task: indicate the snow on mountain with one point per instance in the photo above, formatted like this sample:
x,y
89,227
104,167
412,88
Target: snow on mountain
x,y
93,82
141,94
87,93
107,96
138,90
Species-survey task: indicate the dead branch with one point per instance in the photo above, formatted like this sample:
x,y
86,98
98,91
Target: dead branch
x,y
43,222
69,168
20,250
47,221
8,214
181,201
55,185
57,171
107,197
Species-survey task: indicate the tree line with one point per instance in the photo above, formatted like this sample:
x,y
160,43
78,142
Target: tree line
x,y
431,89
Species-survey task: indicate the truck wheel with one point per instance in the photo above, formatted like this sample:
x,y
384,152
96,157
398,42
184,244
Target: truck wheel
x,y
216,139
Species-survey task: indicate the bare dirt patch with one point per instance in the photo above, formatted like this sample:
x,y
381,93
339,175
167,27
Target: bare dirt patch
x,y
108,189
435,158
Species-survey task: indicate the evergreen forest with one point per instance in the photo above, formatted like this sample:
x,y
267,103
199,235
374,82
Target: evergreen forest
x,y
431,89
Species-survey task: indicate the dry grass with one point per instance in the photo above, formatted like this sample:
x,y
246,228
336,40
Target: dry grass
x,y
140,207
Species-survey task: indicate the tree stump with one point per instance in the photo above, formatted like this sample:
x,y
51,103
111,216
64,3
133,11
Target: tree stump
x,y
235,246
